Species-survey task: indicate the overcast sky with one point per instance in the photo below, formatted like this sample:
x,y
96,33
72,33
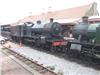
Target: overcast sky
x,y
13,10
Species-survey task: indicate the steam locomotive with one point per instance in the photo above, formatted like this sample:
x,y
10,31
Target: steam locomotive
x,y
87,38
46,35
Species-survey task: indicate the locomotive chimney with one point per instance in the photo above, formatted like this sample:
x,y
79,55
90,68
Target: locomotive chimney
x,y
85,19
51,19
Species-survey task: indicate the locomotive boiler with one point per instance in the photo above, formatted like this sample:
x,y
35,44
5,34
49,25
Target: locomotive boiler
x,y
81,30
53,28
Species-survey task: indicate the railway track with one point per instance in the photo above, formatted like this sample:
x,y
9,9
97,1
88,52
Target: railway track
x,y
30,62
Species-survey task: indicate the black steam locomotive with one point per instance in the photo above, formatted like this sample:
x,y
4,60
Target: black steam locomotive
x,y
86,38
42,35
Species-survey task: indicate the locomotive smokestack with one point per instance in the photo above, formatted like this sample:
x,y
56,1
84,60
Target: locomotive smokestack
x,y
51,19
85,19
